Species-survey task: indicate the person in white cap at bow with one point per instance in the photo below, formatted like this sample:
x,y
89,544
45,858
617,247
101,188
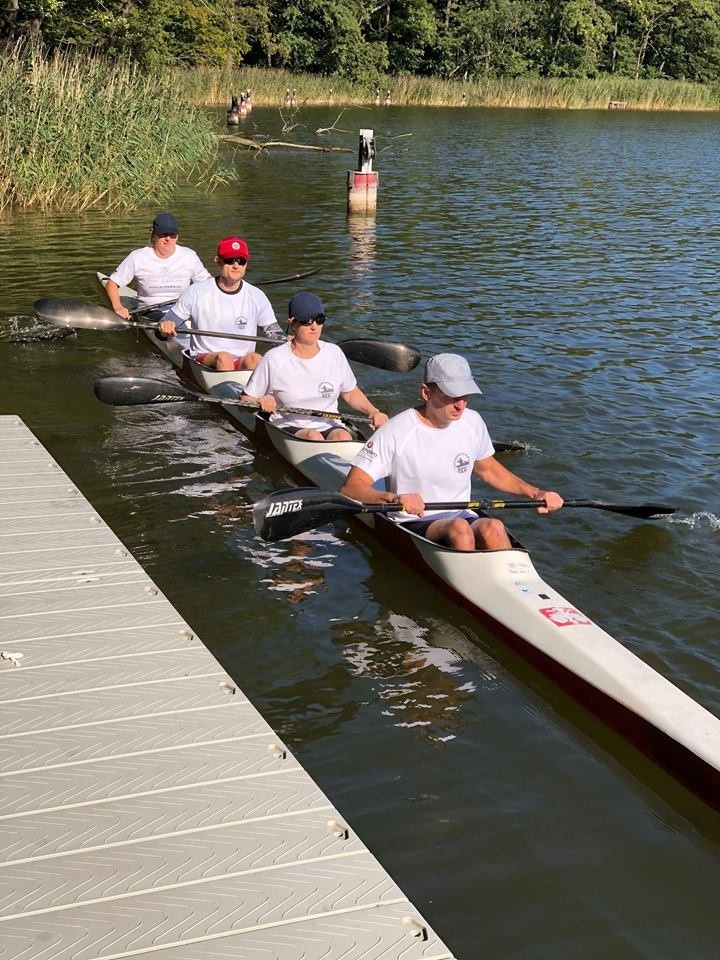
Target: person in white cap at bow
x,y
162,270
229,304
430,453
309,372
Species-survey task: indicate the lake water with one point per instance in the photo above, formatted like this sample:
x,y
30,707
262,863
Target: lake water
x,y
572,257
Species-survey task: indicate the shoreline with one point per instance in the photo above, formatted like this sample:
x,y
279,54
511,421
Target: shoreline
x,y
290,92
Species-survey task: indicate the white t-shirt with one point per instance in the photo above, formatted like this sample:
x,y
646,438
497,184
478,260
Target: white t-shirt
x,y
436,463
159,280
210,308
314,382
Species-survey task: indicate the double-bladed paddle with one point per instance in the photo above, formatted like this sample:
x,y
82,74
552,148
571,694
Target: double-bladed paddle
x,y
140,391
288,512
89,316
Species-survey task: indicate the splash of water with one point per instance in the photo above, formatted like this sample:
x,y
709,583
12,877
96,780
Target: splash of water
x,y
700,520
28,329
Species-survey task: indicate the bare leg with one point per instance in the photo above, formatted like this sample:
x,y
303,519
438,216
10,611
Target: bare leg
x,y
482,534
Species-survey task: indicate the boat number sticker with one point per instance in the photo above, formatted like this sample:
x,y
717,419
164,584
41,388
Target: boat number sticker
x,y
565,616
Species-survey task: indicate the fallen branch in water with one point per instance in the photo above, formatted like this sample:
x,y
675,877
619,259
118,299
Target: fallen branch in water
x,y
333,127
256,145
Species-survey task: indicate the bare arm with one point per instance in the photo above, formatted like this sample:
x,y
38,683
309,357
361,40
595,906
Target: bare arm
x,y
496,475
113,293
359,486
357,400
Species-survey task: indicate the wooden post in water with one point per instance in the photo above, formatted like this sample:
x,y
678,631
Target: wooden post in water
x,y
363,182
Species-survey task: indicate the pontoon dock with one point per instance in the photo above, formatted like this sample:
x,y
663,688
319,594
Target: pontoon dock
x,y
147,808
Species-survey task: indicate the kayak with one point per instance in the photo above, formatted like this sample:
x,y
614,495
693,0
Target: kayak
x,y
503,590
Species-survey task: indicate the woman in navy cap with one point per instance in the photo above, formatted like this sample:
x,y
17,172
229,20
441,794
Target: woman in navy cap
x,y
162,270
309,372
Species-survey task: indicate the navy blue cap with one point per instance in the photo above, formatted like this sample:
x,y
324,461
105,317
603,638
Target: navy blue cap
x,y
165,223
305,306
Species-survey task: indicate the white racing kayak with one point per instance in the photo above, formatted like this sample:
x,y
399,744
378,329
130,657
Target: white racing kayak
x,y
502,589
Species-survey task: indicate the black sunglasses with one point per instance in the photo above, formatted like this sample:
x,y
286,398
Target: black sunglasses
x,y
319,319
228,260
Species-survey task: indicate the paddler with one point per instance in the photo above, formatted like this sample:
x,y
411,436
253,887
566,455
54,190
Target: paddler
x,y
229,304
309,372
430,453
162,270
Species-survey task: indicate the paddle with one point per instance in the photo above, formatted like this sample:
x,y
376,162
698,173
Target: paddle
x,y
89,316
288,512
139,391
295,276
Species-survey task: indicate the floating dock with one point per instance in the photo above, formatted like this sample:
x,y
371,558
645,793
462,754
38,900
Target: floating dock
x,y
147,810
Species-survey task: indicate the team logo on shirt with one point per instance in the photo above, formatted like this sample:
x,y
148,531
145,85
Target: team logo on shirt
x,y
326,390
367,450
461,463
241,322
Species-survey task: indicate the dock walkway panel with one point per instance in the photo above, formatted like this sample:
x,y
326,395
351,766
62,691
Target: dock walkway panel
x,y
146,808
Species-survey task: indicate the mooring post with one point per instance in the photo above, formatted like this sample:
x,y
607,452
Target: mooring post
x,y
363,182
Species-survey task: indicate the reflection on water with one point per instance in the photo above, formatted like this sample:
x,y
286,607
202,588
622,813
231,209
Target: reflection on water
x,y
569,256
295,565
416,681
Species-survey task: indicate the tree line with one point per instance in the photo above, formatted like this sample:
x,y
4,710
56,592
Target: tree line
x,y
363,40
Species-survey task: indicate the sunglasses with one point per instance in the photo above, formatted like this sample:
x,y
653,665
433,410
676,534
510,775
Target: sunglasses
x,y
319,319
163,236
228,260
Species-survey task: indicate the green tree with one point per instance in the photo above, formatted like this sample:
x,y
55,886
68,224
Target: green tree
x,y
576,33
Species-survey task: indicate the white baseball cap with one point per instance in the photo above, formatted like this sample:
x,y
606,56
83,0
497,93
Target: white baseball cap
x,y
451,373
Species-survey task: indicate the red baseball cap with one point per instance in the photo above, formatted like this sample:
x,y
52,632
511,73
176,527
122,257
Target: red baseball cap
x,y
233,247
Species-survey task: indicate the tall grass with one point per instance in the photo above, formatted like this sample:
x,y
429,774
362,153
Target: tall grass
x,y
213,87
77,130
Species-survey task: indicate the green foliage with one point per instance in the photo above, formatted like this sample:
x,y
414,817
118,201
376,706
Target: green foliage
x,y
78,130
362,41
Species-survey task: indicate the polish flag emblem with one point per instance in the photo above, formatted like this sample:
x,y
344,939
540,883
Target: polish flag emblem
x,y
565,616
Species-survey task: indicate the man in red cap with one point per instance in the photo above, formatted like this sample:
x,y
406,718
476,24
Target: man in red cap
x,y
162,269
229,304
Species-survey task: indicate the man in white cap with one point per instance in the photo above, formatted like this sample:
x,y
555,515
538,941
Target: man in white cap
x,y
229,304
430,452
162,270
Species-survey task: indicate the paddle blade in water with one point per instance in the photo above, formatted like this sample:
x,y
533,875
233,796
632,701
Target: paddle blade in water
x,y
643,511
378,353
77,313
136,391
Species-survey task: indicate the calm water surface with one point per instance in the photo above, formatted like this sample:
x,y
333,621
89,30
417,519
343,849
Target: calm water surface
x,y
573,259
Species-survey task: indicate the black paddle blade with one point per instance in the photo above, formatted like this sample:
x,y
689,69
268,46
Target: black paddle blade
x,y
508,446
137,391
378,353
77,313
643,511
288,512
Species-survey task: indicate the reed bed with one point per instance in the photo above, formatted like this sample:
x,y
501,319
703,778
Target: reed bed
x,y
213,87
79,131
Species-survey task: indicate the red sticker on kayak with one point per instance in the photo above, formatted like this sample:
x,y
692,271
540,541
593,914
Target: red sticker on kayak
x,y
565,616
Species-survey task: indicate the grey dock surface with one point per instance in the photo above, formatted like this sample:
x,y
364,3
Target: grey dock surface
x,y
146,808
